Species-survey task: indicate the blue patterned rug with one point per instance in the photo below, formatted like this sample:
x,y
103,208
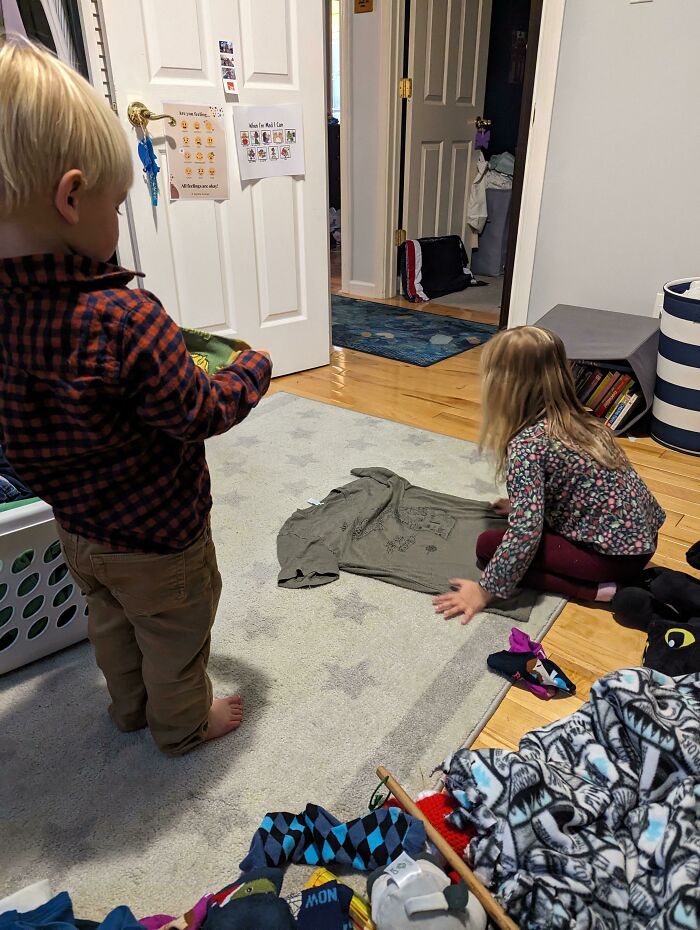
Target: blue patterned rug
x,y
404,335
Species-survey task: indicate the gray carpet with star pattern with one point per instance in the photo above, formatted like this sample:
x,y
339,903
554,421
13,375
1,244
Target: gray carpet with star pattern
x,y
335,680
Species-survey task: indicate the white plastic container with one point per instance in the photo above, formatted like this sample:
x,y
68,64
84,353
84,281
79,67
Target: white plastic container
x,y
41,607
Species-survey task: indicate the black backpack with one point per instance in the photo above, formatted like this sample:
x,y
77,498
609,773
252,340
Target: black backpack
x,y
433,267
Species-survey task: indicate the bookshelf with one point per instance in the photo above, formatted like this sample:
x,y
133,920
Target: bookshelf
x,y
611,342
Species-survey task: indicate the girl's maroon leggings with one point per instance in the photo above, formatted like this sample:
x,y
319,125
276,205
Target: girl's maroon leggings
x,y
566,568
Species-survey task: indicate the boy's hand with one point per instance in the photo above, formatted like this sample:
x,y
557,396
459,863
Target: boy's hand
x,y
469,599
502,506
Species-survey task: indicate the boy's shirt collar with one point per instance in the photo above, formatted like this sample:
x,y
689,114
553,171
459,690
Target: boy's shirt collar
x,y
49,270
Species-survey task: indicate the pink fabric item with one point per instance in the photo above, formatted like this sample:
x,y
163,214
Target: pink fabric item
x,y
606,591
192,920
156,921
521,642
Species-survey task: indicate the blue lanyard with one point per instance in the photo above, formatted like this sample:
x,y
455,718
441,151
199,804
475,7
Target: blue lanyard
x,y
150,166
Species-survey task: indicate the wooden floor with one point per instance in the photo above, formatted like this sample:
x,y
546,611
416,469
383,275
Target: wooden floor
x,y
444,398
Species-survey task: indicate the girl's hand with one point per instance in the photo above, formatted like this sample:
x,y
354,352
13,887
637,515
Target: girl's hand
x,y
468,599
502,506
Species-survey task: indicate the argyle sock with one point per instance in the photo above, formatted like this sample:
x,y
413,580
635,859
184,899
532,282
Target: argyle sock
x,y
325,907
315,837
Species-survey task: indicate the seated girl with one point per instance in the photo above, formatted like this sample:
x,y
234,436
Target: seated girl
x,y
580,519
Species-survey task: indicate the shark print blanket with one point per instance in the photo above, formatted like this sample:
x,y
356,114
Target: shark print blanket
x,y
594,823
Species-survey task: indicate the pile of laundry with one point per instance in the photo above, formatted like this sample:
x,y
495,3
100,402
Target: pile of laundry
x,y
11,487
496,174
334,225
406,885
593,822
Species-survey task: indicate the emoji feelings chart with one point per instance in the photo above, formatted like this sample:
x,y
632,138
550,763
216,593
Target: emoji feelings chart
x,y
196,153
269,141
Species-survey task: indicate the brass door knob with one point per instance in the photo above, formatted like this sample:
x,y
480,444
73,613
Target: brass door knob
x,y
140,116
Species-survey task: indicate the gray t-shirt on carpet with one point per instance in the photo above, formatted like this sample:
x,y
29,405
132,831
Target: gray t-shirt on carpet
x,y
382,526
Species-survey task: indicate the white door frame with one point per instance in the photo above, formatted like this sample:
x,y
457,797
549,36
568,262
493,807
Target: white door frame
x,y
536,161
345,139
535,166
391,27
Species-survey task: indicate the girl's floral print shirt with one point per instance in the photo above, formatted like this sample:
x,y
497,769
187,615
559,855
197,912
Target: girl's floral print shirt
x,y
553,487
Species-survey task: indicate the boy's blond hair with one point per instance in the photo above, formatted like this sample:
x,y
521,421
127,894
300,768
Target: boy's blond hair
x,y
51,121
525,378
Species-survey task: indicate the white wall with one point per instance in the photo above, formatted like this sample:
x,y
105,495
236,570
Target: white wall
x,y
620,212
359,216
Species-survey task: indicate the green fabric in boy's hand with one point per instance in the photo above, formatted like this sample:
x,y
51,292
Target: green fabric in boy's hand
x,y
211,352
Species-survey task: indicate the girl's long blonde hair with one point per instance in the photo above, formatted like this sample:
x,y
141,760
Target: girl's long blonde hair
x,y
525,378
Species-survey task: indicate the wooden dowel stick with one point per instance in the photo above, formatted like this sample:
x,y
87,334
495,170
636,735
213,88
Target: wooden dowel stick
x,y
483,895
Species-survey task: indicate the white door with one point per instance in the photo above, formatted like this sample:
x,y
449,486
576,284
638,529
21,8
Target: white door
x,y
256,265
448,55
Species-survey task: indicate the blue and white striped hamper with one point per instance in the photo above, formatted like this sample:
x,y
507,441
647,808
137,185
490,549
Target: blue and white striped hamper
x,y
676,412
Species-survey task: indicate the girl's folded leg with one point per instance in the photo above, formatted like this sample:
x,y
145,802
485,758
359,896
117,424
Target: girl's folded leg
x,y
566,568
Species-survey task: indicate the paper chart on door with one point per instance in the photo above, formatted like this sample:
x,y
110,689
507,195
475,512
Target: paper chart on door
x,y
196,152
269,141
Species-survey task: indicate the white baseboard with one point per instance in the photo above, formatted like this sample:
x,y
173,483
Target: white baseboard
x,y
363,289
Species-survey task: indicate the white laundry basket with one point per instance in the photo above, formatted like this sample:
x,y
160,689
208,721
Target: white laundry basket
x,y
41,607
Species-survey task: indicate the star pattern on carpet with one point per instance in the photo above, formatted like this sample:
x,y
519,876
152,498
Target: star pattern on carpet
x,y
232,497
418,463
245,442
296,488
301,460
479,486
350,679
262,573
419,439
258,625
360,444
352,607
302,432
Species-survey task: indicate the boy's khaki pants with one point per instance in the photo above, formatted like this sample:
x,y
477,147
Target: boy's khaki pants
x,y
149,620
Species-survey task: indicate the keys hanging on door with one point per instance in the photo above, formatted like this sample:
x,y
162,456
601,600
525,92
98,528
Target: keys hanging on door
x,y
140,116
150,166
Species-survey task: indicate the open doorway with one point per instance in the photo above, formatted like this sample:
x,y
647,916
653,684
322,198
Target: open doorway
x,y
407,147
333,94
505,80
463,132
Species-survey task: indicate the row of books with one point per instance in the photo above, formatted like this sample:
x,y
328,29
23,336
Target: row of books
x,y
609,395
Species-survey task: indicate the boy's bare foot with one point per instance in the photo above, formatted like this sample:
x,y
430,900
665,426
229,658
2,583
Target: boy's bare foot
x,y
225,716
